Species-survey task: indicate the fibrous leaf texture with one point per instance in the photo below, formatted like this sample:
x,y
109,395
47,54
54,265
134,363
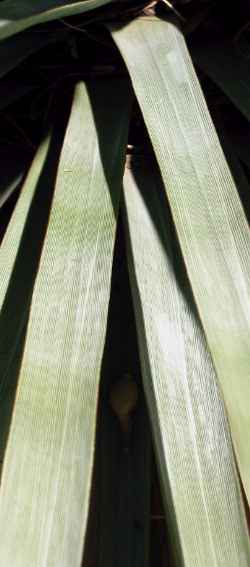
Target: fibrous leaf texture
x,y
193,446
206,208
48,463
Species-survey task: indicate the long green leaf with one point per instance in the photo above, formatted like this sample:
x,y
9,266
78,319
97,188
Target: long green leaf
x,y
230,150
208,215
18,16
14,234
45,487
19,257
191,432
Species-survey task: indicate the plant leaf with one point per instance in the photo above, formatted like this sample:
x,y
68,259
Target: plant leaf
x,y
204,507
45,487
237,171
14,234
19,261
18,16
207,212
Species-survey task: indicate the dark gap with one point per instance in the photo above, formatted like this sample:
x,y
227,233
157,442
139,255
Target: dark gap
x,y
160,549
120,356
6,212
99,92
105,532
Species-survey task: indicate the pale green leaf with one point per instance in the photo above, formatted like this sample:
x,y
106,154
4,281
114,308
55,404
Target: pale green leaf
x,y
46,479
14,234
19,257
18,15
232,154
208,215
204,508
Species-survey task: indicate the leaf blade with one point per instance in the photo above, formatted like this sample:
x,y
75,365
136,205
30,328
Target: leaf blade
x,y
206,208
204,508
48,463
16,17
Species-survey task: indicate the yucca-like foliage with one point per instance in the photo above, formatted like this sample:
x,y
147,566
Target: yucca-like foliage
x,y
124,126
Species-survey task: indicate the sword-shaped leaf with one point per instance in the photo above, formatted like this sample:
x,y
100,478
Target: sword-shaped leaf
x,y
207,212
46,479
18,16
204,508
19,258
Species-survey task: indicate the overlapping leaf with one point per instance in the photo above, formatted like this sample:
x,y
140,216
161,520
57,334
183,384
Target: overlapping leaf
x,y
208,214
47,469
191,432
19,257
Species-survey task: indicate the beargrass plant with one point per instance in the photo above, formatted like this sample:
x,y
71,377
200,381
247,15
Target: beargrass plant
x,y
124,207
